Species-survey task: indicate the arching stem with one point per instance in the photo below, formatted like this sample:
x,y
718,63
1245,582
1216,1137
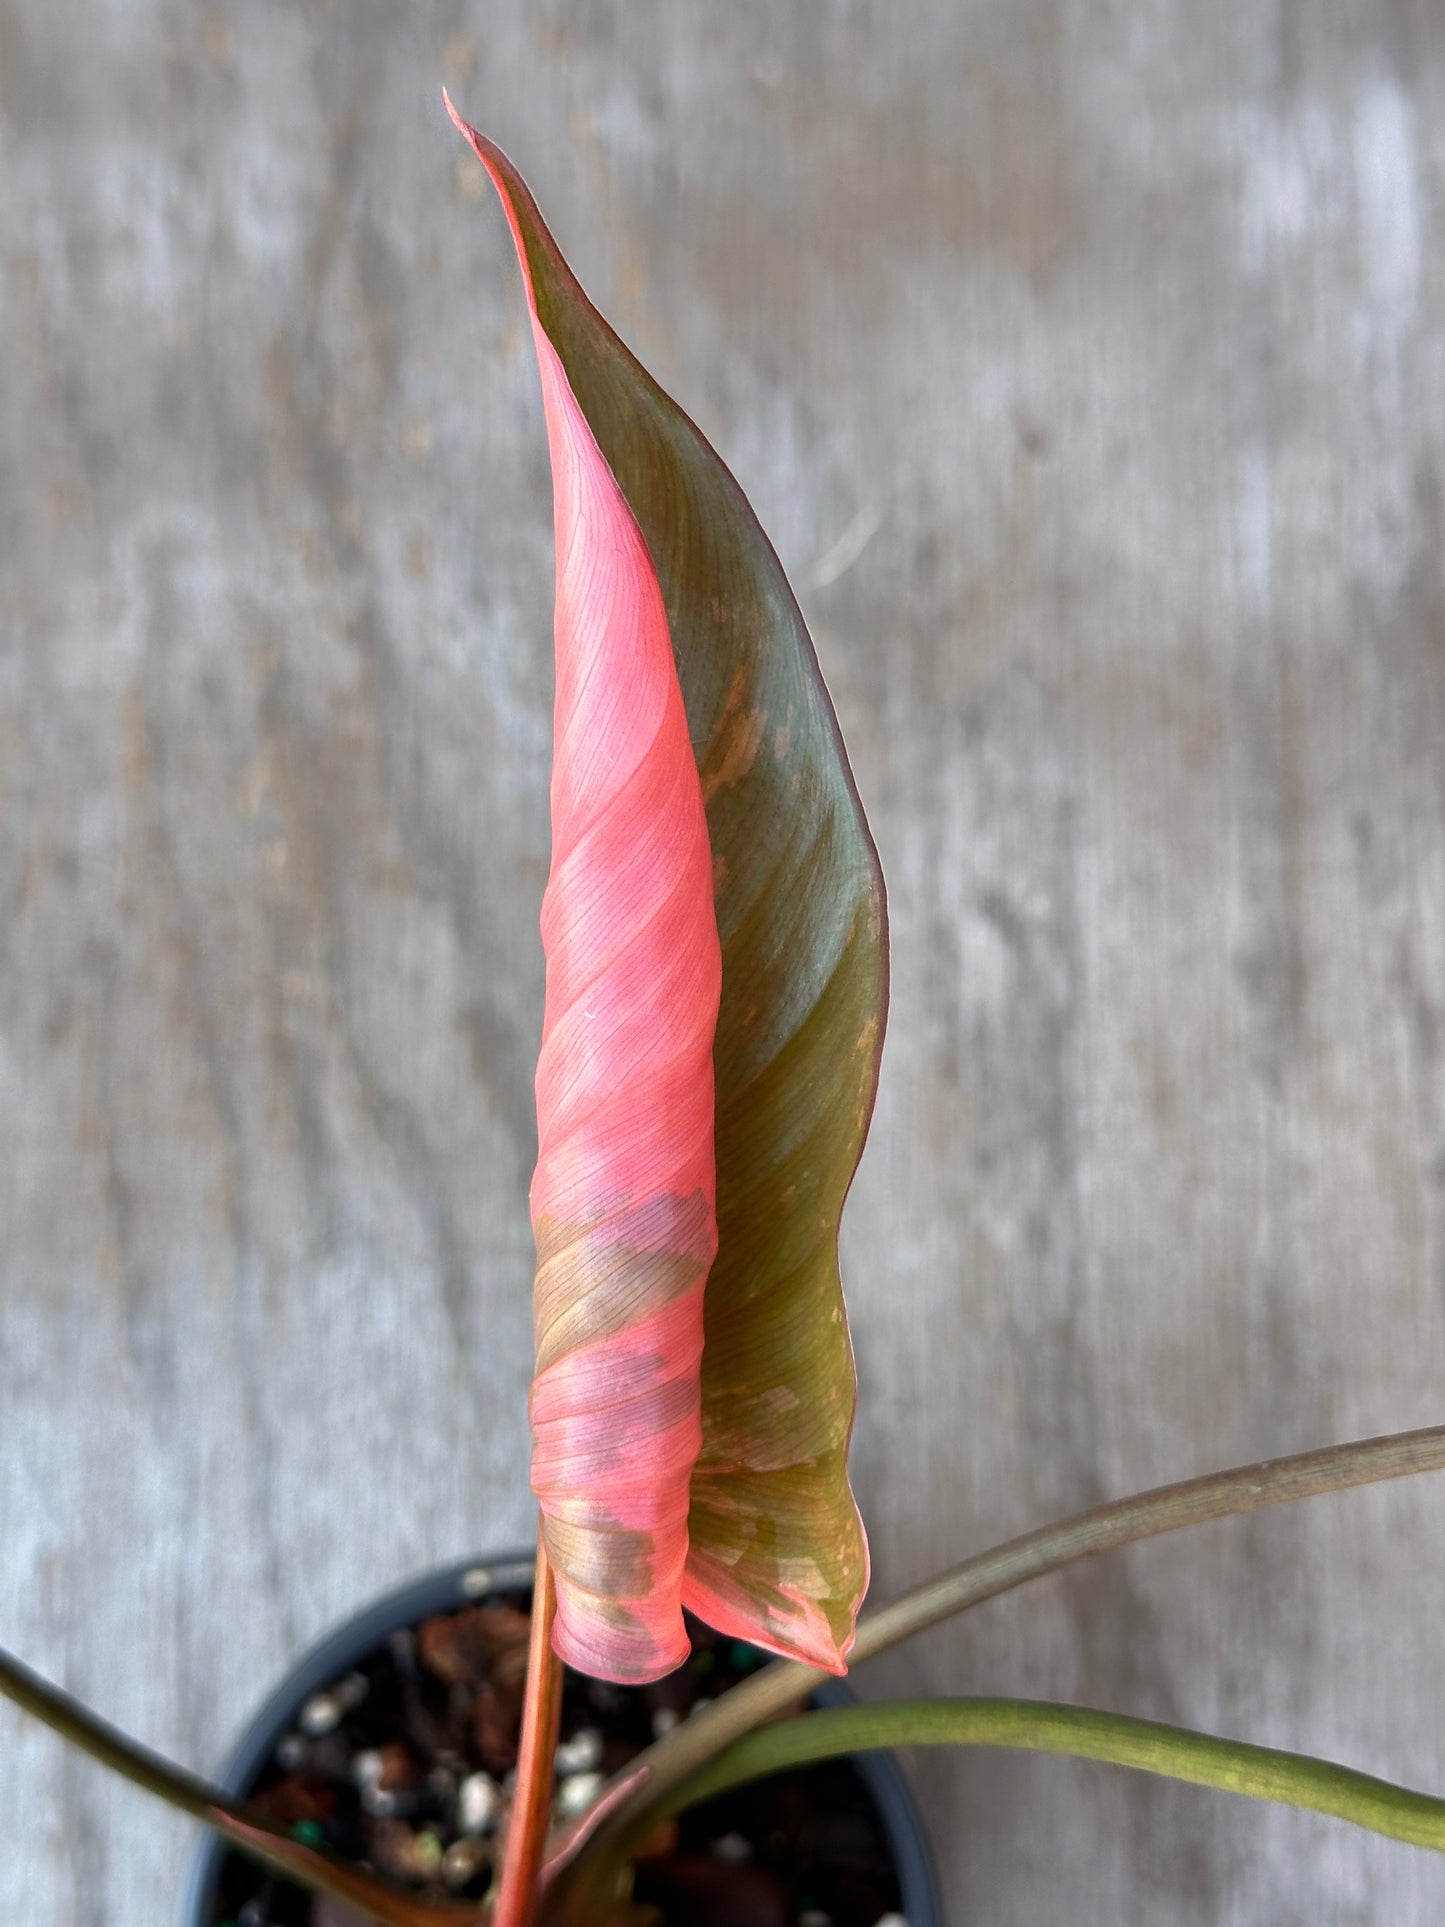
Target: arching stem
x,y
777,1689
252,1832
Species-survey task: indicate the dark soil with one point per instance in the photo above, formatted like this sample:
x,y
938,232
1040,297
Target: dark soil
x,y
403,1765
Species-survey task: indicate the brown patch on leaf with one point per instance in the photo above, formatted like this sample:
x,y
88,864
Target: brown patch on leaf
x,y
597,1279
734,747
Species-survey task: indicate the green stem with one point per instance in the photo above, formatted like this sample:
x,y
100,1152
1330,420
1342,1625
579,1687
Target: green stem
x,y
251,1832
1232,1766
780,1687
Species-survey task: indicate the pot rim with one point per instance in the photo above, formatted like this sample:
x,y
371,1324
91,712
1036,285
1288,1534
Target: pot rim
x,y
447,1589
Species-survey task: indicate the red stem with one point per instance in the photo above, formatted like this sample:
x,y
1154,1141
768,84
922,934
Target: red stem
x,y
531,1804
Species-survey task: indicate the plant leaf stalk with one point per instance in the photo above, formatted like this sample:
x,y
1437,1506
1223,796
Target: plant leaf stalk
x,y
254,1833
531,1804
1232,1766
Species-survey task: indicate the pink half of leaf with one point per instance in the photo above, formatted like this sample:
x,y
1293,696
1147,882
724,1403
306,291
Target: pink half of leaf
x,y
624,1195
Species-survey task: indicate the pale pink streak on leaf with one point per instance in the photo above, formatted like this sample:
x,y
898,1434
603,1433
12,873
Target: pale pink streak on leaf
x,y
623,1198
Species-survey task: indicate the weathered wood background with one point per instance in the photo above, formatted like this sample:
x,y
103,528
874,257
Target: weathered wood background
x,y
1087,364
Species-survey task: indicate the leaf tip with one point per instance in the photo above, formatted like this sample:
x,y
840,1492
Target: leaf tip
x,y
456,119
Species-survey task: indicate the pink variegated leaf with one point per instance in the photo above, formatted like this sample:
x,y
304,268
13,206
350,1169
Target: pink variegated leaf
x,y
623,1198
774,1549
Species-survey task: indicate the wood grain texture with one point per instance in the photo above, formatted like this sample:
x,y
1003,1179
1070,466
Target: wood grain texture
x,y
1088,367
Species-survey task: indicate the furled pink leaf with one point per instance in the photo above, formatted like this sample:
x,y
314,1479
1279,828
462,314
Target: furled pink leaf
x,y
623,1199
776,1552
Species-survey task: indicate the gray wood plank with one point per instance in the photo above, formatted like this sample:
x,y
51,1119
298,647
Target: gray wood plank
x,y
1087,365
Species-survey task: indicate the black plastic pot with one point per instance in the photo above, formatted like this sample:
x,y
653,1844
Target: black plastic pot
x,y
449,1590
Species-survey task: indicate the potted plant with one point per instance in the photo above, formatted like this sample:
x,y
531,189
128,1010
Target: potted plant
x,y
398,1734
716,989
